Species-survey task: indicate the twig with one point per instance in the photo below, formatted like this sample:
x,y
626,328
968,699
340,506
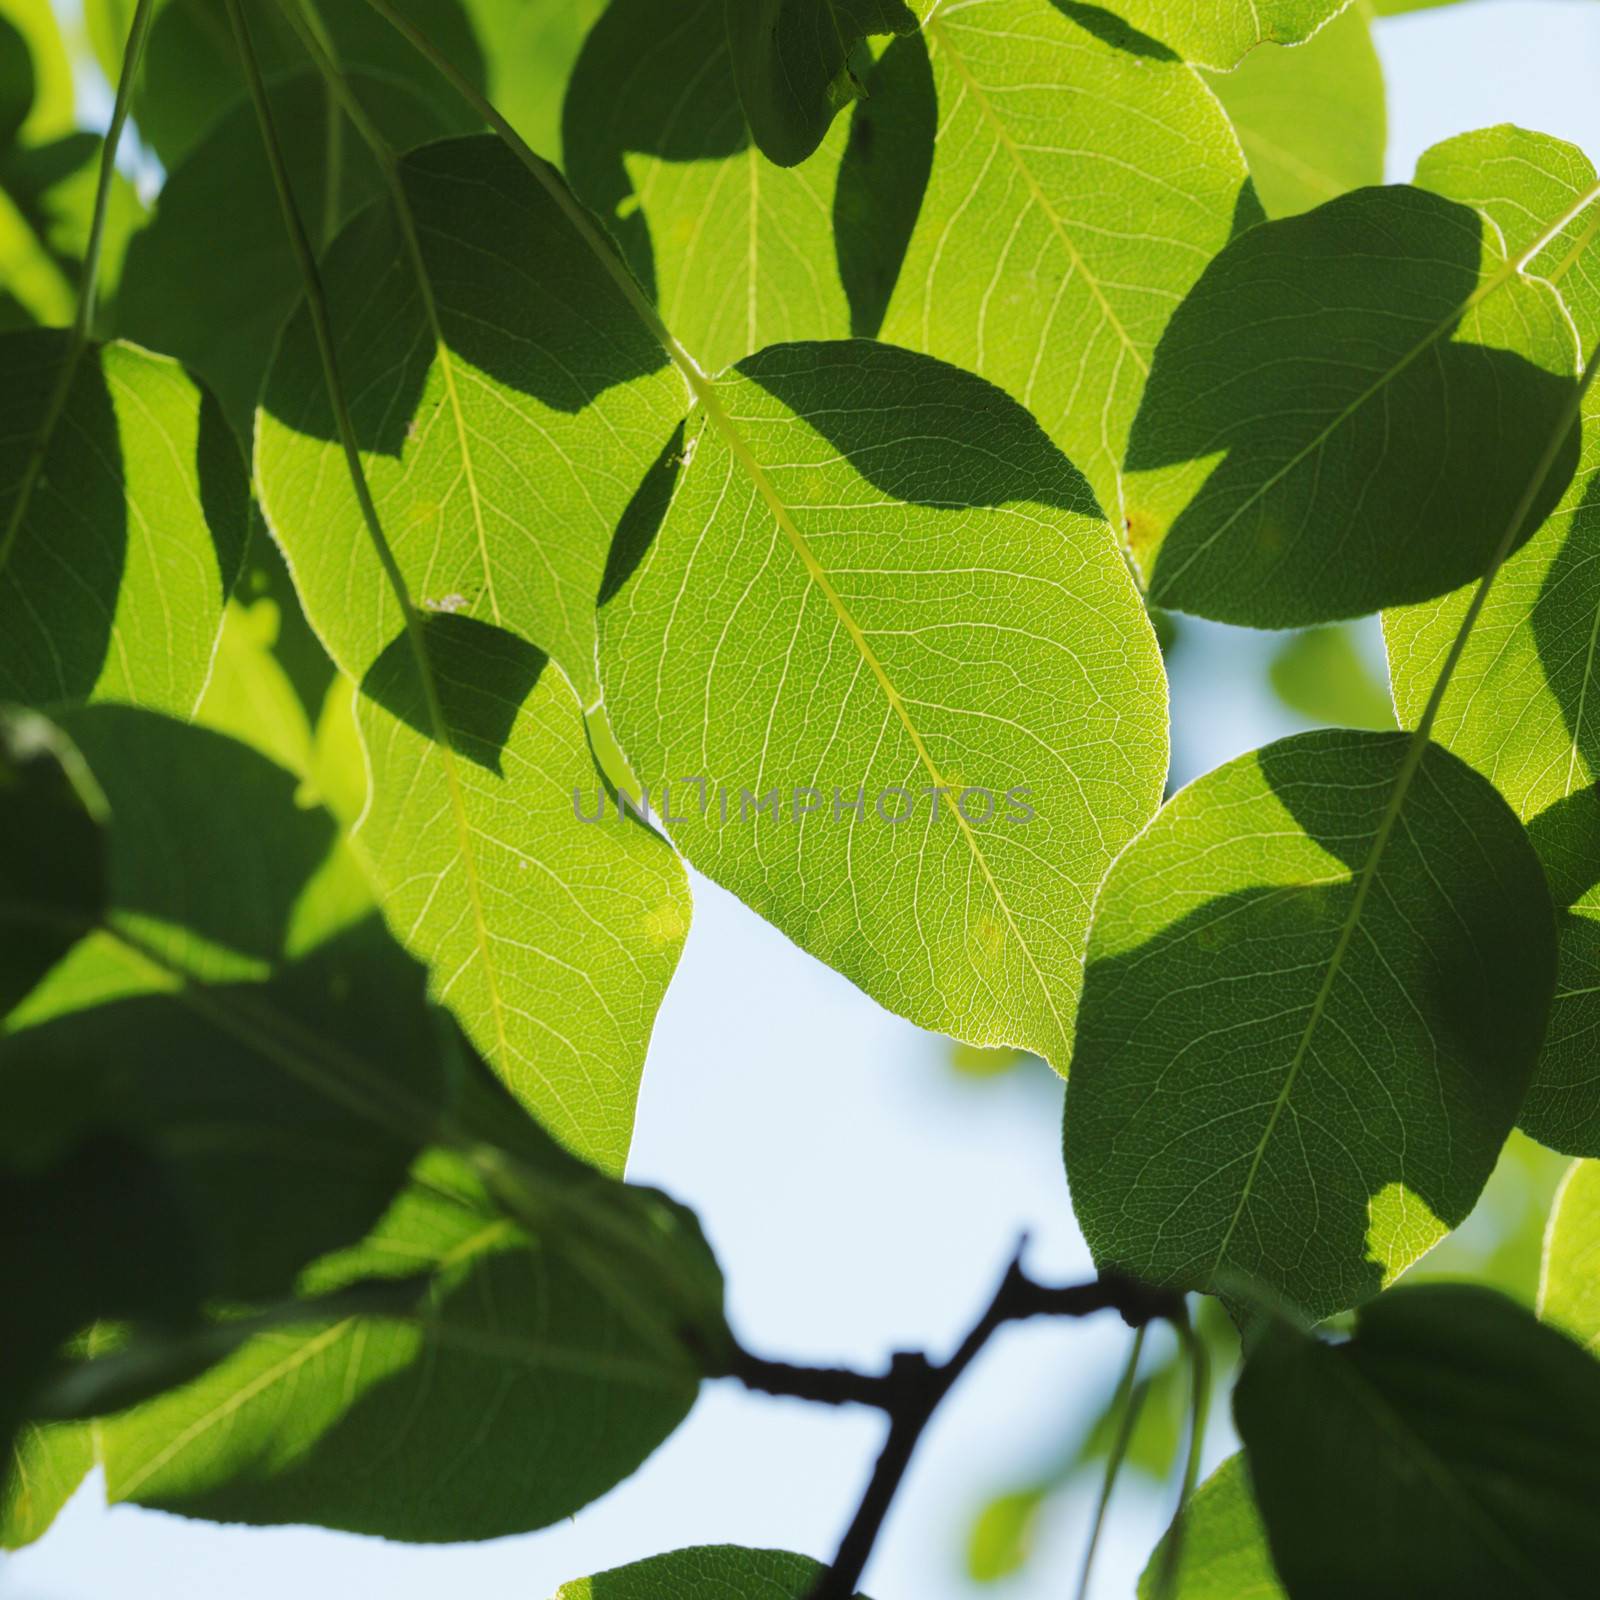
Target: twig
x,y
912,1389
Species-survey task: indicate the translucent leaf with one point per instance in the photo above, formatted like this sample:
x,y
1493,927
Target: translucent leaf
x,y
1076,192
876,579
1322,674
46,203
122,526
791,65
190,77
1569,1283
1311,119
735,251
1345,411
1217,33
709,1572
225,324
1521,705
253,1030
1451,1447
38,101
503,441
1223,1552
1312,1006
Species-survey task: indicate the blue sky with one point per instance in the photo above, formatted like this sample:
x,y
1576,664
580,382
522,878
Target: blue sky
x,y
861,1197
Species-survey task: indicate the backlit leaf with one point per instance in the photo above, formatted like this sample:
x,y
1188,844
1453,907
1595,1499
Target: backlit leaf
x,y
119,543
1312,1006
906,591
504,431
1311,119
1223,1552
1522,703
736,252
1216,33
1077,190
1345,411
1569,1283
709,1572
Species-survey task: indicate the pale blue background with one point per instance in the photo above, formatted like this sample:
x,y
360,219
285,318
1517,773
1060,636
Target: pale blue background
x,y
860,1196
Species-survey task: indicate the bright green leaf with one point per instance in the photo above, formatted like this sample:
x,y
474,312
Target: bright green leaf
x,y
1522,703
1345,412
710,1572
529,47
1569,1283
877,578
1312,1006
46,203
791,65
503,445
1077,190
225,324
1223,1553
118,545
1216,33
1451,1447
46,108
1311,119
735,251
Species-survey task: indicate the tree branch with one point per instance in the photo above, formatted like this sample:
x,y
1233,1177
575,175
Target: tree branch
x,y
913,1388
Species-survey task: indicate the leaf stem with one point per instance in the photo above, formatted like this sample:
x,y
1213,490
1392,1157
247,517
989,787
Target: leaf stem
x,y
1129,1402
913,1388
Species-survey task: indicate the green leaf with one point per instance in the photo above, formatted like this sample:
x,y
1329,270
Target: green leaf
x,y
46,1468
734,251
190,77
255,1033
791,65
46,203
1003,1533
876,576
503,445
1311,119
1322,675
708,1572
529,47
1217,33
122,526
1312,1005
1569,1282
1345,411
1521,705
1451,1447
1223,1555
1076,192
535,1376
225,324
38,101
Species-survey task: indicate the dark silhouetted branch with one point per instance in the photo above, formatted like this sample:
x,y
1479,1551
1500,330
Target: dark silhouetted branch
x,y
912,1389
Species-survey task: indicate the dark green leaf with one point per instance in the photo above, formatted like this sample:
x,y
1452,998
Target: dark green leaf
x,y
711,1572
1345,411
1312,1006
791,64
1451,1447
